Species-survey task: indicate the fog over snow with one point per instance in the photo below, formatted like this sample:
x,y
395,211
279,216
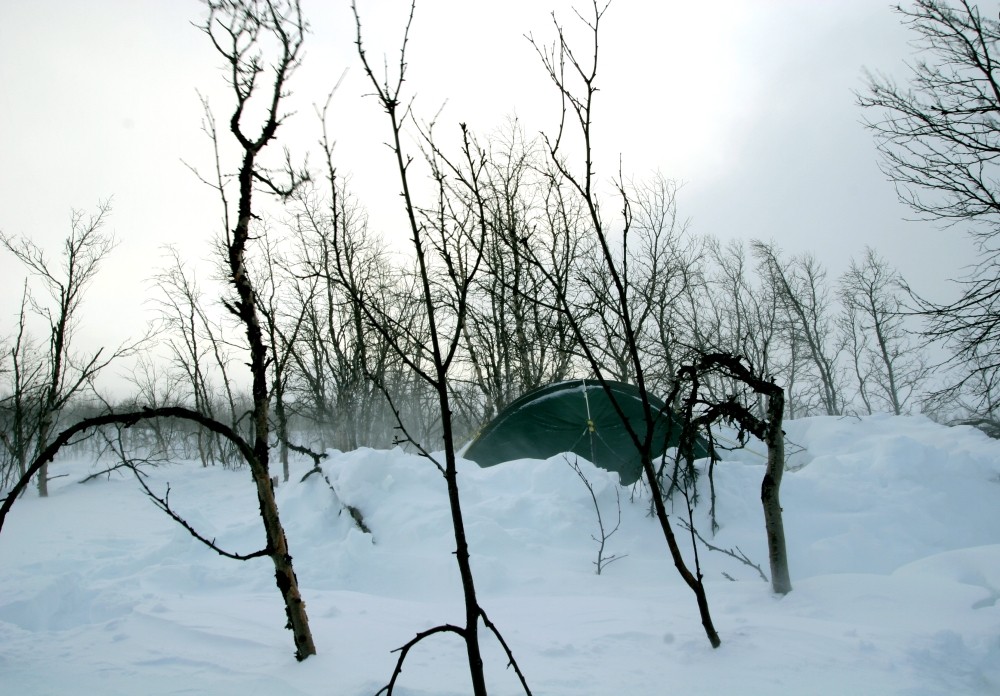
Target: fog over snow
x,y
892,538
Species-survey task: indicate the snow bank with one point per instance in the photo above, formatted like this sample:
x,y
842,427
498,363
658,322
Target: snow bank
x,y
892,535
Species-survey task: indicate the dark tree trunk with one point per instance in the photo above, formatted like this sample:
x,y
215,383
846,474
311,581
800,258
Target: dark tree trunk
x,y
773,524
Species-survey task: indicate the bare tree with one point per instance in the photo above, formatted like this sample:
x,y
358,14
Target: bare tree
x,y
284,320
154,387
938,138
200,353
65,281
889,367
240,30
513,339
337,256
800,285
666,270
857,346
26,368
768,429
447,240
738,313
660,263
973,403
575,81
605,531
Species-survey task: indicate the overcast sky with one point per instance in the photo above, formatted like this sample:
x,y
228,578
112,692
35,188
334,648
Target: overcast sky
x,y
749,102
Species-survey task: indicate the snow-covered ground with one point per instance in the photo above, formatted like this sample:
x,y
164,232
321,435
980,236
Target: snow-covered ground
x,y
893,529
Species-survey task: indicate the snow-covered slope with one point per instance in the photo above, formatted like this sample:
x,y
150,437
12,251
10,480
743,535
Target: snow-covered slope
x,y
893,531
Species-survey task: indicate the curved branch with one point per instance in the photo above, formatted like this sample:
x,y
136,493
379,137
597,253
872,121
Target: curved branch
x,y
126,419
444,628
164,504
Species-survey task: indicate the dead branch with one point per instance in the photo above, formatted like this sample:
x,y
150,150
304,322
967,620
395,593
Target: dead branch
x,y
405,649
734,552
511,662
164,504
602,561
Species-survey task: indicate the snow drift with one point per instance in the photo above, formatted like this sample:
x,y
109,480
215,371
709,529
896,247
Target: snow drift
x,y
891,525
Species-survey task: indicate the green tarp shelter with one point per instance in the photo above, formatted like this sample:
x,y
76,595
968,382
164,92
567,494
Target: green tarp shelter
x,y
577,416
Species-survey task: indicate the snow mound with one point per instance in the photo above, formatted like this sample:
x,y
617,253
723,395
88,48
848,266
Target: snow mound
x,y
892,540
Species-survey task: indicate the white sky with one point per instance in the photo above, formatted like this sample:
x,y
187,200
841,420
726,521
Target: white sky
x,y
748,101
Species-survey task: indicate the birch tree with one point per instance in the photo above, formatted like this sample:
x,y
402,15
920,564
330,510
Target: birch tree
x,y
937,135
65,280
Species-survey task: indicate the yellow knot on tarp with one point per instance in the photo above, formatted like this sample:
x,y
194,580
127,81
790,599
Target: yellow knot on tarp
x,y
590,426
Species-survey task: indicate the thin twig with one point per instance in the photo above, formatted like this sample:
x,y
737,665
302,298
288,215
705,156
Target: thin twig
x,y
511,662
734,552
164,504
601,561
